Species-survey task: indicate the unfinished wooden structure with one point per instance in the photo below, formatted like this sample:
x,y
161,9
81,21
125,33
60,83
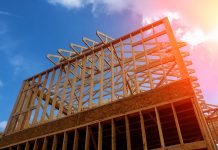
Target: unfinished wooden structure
x,y
133,92
211,115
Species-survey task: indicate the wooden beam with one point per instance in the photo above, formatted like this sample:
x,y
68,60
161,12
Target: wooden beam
x,y
159,129
177,124
25,105
50,101
76,138
72,92
87,140
56,93
45,144
32,102
54,144
101,78
35,119
135,80
203,127
82,84
92,80
47,97
27,146
144,140
16,124
65,140
18,147
113,135
128,139
35,147
176,52
112,76
154,64
63,96
123,69
11,120
93,139
100,128
196,145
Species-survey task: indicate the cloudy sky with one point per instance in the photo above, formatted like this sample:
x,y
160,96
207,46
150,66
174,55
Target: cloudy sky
x,y
31,29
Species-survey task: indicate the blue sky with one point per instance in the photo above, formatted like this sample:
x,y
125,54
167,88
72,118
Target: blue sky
x,y
30,29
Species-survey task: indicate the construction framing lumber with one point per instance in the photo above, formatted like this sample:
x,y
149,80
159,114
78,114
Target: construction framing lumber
x,y
132,92
146,106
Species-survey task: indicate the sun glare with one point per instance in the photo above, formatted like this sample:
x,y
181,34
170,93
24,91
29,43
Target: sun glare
x,y
213,36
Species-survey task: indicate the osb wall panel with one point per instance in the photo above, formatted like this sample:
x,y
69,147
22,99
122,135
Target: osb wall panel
x,y
166,93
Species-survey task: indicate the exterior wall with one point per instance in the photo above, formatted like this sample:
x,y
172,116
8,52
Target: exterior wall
x,y
166,117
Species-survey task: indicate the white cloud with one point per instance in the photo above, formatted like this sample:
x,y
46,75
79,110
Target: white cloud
x,y
172,15
3,125
113,5
1,83
5,13
184,31
70,4
194,37
17,62
108,6
196,13
8,47
150,11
